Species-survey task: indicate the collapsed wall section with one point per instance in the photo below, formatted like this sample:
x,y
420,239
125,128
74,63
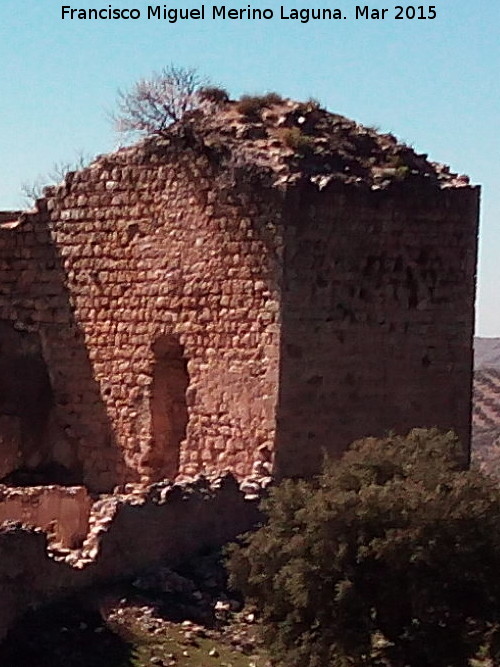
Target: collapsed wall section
x,y
146,245
173,522
377,316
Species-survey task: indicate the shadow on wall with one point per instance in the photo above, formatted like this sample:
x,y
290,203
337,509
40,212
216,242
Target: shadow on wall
x,y
53,423
25,401
168,406
376,327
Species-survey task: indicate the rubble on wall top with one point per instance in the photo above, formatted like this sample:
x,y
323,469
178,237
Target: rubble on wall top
x,y
28,493
9,219
281,141
106,507
292,140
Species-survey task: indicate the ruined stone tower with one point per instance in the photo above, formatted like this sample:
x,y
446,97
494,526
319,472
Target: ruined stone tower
x,y
246,291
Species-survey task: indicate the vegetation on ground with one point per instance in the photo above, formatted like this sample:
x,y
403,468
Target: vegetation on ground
x,y
160,618
181,645
68,635
391,557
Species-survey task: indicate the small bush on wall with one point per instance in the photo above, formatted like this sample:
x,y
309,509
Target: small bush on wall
x,y
252,105
297,141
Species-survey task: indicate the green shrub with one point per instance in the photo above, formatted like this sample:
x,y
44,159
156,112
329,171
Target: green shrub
x,y
270,99
214,94
312,104
395,161
252,105
402,172
297,140
391,557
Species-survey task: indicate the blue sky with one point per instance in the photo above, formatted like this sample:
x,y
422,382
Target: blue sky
x,y
434,83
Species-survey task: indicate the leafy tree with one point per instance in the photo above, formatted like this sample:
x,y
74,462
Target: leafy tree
x,y
390,557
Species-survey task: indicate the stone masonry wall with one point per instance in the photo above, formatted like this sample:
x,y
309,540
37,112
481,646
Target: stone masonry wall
x,y
64,512
148,251
187,308
377,316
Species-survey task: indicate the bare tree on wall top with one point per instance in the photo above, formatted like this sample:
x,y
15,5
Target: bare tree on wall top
x,y
153,104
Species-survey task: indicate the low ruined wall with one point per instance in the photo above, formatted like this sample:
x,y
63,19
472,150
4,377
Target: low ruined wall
x,y
130,532
62,511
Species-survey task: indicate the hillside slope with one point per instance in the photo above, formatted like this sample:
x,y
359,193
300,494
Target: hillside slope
x,y
486,353
486,405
